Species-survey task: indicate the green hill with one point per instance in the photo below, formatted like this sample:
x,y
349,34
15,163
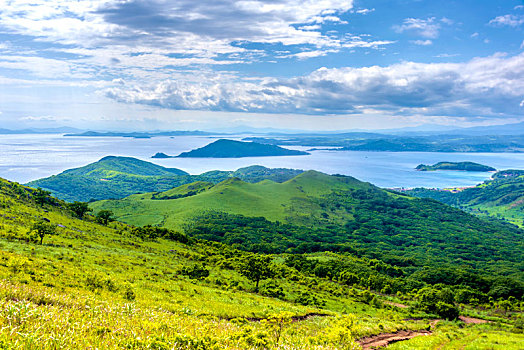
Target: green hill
x,y
224,148
500,197
317,212
116,286
462,166
118,177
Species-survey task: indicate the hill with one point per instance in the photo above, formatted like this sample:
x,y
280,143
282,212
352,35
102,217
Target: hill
x,y
237,149
462,166
111,177
500,197
116,286
118,177
317,212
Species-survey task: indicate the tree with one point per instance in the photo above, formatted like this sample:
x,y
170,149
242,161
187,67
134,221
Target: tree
x,y
104,216
79,208
43,229
258,268
41,196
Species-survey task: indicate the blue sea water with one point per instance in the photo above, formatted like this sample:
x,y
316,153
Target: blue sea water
x,y
28,157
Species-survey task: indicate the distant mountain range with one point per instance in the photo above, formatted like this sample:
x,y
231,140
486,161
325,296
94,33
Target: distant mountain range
x,y
421,130
59,130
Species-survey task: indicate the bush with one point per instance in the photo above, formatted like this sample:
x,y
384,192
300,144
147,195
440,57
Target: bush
x,y
273,290
198,272
306,299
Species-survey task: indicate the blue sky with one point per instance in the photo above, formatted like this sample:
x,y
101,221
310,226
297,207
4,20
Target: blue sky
x,y
313,64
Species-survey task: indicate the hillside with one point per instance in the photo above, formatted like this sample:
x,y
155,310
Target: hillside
x,y
400,143
461,166
115,286
317,212
224,148
118,177
500,197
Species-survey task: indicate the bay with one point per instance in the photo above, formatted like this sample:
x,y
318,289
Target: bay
x,y
29,157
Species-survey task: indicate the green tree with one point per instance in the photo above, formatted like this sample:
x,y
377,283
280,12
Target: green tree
x,y
79,208
258,268
104,216
43,229
41,196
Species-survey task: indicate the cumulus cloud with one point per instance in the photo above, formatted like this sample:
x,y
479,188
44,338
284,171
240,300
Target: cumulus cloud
x,y
483,86
507,20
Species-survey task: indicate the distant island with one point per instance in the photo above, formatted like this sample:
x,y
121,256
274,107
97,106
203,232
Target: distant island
x,y
463,166
161,155
224,148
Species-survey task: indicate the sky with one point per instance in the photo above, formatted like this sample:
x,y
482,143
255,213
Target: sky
x,y
289,64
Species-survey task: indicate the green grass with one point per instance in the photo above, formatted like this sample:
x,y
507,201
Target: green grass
x,y
470,337
95,286
274,201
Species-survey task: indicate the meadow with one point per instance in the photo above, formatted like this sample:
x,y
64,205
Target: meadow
x,y
91,285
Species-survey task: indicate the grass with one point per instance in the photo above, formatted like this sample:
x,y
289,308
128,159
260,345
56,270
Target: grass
x,y
274,201
470,337
94,286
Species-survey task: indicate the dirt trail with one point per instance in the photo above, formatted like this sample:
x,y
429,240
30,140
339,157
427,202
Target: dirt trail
x,y
385,339
472,320
402,306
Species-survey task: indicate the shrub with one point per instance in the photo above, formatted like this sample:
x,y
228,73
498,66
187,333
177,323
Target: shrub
x,y
198,272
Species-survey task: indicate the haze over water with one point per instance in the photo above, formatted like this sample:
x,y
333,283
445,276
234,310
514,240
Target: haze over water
x,y
29,157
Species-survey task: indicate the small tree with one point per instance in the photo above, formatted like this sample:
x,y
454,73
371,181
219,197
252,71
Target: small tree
x,y
258,268
79,208
41,196
43,229
104,216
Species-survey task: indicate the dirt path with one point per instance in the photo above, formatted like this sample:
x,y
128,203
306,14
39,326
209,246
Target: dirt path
x,y
472,320
402,306
385,339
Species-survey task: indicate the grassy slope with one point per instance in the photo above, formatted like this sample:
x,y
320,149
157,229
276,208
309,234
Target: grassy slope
x,y
71,291
119,177
502,197
274,201
364,220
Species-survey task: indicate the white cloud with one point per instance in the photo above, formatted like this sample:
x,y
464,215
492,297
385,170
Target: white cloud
x,y
204,28
507,20
364,11
427,28
483,86
422,42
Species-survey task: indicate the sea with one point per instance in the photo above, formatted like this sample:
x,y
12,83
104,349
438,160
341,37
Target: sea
x,y
27,157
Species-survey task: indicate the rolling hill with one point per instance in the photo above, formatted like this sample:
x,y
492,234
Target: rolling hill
x,y
90,285
118,177
500,197
317,212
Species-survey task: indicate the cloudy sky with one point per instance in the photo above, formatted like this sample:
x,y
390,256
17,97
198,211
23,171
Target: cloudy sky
x,y
310,64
